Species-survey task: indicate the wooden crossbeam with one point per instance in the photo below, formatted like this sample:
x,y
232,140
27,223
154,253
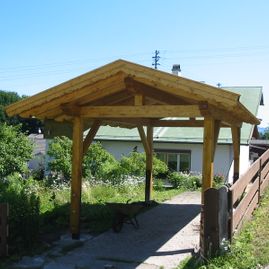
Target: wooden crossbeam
x,y
90,136
153,111
144,139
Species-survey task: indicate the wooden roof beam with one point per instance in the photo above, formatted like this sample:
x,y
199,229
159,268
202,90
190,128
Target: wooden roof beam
x,y
153,111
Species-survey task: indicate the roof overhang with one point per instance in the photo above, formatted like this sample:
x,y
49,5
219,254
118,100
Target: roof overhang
x,y
126,94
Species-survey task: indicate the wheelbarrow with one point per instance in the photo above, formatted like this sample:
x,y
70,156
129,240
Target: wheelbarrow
x,y
125,213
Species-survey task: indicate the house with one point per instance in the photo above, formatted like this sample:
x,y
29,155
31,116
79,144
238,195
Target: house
x,y
181,147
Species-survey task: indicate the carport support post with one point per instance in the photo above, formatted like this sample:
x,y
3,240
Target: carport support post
x,y
77,151
211,131
236,148
149,160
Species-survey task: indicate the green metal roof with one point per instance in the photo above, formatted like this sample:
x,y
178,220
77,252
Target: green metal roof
x,y
250,98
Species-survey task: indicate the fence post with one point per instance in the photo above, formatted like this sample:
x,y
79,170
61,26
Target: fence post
x,y
4,212
216,220
260,180
230,212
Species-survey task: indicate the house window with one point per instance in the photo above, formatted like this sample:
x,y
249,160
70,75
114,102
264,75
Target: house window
x,y
175,160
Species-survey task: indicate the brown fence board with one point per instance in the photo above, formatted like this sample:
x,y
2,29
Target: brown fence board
x,y
249,211
239,186
244,204
265,156
265,184
265,171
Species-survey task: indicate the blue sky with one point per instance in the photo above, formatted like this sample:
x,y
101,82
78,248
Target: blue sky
x,y
44,43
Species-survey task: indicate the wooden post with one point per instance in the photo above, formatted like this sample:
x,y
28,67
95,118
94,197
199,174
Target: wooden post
x,y
236,149
4,213
149,159
209,145
260,180
77,151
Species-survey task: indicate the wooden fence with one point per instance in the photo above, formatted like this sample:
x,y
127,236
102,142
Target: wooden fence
x,y
226,209
244,195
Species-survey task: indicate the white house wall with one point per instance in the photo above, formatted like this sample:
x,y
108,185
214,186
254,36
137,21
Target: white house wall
x,y
223,155
244,162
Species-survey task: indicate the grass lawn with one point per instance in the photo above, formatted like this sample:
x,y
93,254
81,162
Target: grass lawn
x,y
250,248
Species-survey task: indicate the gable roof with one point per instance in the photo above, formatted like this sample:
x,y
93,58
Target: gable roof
x,y
111,90
250,97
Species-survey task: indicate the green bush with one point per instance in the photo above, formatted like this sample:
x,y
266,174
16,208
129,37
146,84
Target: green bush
x,y
135,165
218,180
99,164
24,204
185,181
60,152
15,150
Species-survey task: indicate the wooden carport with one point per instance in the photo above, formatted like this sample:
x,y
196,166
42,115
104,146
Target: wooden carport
x,y
128,95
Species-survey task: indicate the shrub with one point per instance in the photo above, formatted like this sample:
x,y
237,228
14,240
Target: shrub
x,y
185,181
24,204
15,150
218,180
135,164
98,163
60,152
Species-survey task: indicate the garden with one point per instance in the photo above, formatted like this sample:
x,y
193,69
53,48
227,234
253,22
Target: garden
x,y
39,205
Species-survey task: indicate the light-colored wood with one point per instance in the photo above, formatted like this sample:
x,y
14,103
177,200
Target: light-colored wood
x,y
77,151
265,156
265,171
92,89
155,111
265,184
236,150
217,125
244,203
239,186
144,139
96,91
248,213
138,100
149,164
164,82
90,135
208,154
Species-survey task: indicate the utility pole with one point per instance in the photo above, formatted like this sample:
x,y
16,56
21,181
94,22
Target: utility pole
x,y
156,59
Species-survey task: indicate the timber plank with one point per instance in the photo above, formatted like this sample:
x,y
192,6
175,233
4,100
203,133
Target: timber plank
x,y
264,184
265,156
244,204
264,171
249,211
65,88
239,186
89,93
154,111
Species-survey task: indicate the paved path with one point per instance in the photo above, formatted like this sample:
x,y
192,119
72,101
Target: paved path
x,y
168,233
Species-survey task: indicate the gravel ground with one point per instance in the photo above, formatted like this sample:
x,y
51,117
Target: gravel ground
x,y
168,234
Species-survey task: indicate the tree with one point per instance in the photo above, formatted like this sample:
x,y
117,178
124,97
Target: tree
x,y
95,162
265,134
15,150
28,125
